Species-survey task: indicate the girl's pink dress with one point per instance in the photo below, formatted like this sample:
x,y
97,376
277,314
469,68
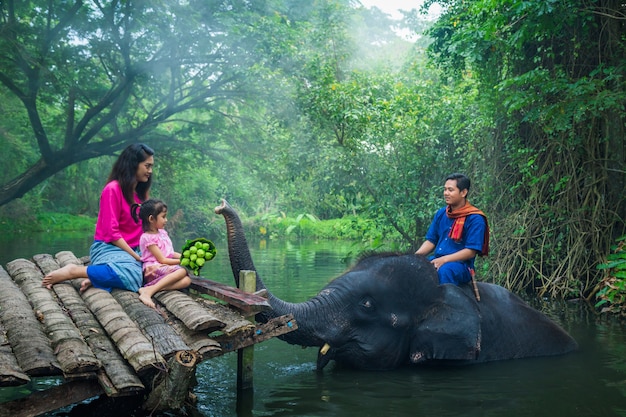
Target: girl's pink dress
x,y
153,271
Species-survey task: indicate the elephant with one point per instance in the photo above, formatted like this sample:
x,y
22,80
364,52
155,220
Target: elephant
x,y
389,311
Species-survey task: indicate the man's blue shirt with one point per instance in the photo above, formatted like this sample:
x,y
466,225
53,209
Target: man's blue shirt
x,y
473,235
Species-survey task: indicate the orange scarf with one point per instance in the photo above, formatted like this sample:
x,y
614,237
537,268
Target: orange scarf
x,y
459,216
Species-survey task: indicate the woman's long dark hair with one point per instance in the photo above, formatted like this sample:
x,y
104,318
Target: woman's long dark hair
x,y
125,172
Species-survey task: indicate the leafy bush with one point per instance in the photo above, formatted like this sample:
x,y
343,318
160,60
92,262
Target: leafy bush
x,y
307,225
612,293
65,222
47,222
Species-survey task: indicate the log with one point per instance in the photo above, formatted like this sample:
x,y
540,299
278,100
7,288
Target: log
x,y
194,315
71,351
172,390
130,341
46,263
165,340
118,378
10,372
249,303
24,332
197,341
67,257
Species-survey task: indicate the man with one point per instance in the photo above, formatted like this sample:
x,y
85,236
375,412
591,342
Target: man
x,y
457,234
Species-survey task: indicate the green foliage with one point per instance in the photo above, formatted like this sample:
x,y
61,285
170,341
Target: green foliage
x,y
612,294
550,77
65,222
89,79
310,227
319,108
47,222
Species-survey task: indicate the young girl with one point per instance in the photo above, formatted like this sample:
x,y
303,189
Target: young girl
x,y
161,264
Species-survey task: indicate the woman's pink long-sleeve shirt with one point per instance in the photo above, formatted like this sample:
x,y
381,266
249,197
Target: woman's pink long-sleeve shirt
x,y
114,219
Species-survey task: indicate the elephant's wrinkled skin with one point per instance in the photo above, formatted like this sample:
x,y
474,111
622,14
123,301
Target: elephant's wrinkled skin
x,y
389,311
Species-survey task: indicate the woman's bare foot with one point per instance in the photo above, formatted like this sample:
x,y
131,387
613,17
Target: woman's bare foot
x,y
146,298
69,271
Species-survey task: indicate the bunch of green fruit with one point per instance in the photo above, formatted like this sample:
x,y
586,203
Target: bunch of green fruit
x,y
196,253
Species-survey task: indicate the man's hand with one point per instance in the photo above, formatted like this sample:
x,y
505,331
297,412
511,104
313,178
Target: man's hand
x,y
437,262
426,248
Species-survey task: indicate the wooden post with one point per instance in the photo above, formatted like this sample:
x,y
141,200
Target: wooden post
x,y
171,391
245,356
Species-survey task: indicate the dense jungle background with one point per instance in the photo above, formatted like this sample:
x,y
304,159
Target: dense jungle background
x,y
326,119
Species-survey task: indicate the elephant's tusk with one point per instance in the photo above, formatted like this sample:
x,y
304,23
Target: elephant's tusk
x,y
324,348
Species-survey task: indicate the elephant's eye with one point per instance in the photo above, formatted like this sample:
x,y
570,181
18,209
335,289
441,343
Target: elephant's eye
x,y
367,304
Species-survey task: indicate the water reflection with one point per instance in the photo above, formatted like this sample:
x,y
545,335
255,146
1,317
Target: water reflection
x,y
590,382
25,246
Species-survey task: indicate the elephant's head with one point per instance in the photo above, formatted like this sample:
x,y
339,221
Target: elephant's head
x,y
388,311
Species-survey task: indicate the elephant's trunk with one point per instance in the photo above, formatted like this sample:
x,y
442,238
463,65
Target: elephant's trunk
x,y
240,259
238,252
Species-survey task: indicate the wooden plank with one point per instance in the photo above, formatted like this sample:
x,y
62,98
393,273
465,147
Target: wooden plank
x,y
40,402
249,304
233,319
274,327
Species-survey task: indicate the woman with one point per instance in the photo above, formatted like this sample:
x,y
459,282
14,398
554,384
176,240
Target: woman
x,y
115,260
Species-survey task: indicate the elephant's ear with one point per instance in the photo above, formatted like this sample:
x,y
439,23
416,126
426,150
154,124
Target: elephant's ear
x,y
450,329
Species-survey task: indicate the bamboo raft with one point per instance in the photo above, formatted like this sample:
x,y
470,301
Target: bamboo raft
x,y
111,343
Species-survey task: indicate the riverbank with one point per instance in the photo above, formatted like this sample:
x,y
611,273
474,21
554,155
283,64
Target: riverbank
x,y
303,226
48,222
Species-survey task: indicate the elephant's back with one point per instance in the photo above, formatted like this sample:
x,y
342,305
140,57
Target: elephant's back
x,y
510,325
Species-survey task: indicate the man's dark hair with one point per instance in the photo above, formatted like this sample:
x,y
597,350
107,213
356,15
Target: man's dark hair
x,y
462,182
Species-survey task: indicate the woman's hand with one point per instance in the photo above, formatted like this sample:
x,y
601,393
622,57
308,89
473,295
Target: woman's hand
x,y
122,244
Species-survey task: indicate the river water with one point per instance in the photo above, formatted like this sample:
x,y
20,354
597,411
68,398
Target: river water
x,y
590,382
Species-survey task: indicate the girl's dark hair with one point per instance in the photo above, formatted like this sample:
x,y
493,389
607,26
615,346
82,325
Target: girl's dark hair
x,y
151,207
125,172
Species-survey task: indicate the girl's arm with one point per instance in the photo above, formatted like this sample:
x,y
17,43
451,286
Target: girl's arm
x,y
158,255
